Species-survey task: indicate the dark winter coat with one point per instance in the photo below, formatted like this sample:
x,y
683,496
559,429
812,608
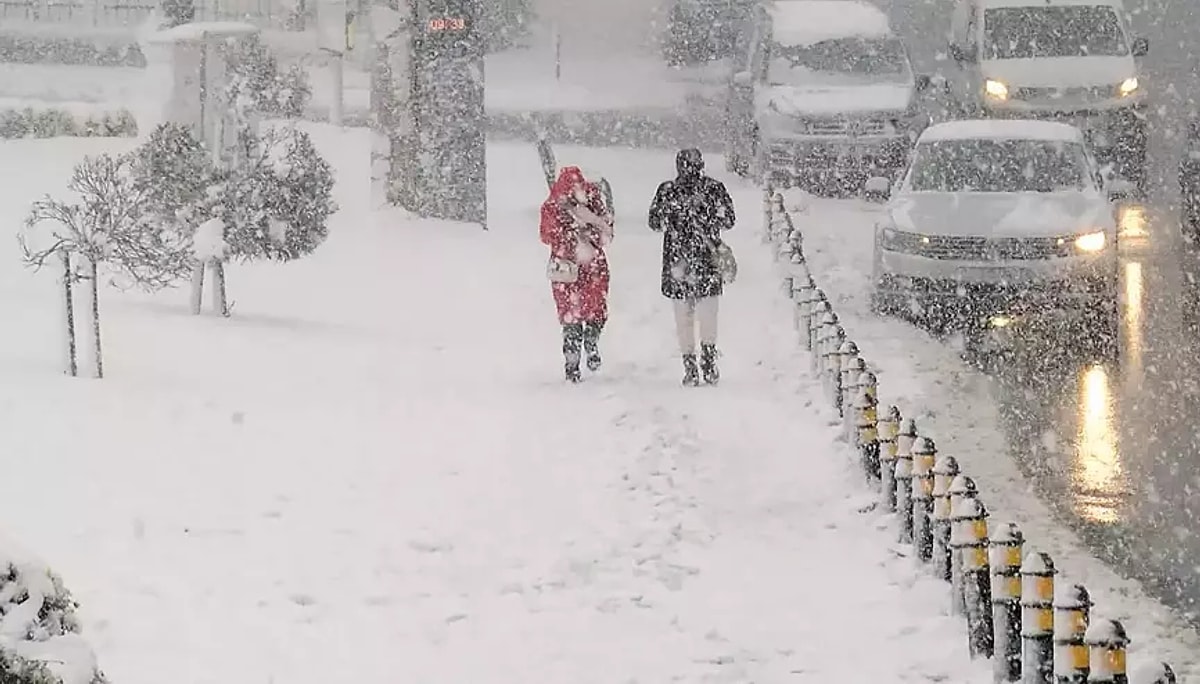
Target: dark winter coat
x,y
691,211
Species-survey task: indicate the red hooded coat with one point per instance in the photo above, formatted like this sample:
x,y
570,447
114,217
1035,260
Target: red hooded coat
x,y
586,299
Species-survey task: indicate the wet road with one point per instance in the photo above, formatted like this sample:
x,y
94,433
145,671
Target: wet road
x,y
1114,446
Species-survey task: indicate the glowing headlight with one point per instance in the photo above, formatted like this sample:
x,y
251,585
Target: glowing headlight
x,y
1128,87
1092,242
995,89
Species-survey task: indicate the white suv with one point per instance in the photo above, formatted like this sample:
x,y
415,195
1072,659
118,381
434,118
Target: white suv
x,y
824,91
996,215
1072,61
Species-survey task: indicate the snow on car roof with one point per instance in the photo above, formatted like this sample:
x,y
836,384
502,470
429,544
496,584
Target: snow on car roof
x,y
1013,129
806,22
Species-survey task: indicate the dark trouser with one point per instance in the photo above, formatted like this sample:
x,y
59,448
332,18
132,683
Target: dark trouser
x,y
581,337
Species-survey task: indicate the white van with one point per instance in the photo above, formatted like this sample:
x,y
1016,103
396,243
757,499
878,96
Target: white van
x,y
1073,61
823,88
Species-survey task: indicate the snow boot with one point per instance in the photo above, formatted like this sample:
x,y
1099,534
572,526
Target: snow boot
x,y
691,372
708,364
572,341
591,344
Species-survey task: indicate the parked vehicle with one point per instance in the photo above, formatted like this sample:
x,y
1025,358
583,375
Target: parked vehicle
x,y
700,31
997,215
824,90
1073,61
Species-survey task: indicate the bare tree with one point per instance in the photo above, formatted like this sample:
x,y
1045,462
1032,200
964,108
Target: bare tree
x,y
106,224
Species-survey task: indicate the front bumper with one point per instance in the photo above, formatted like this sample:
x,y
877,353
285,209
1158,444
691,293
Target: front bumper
x,y
802,156
1076,283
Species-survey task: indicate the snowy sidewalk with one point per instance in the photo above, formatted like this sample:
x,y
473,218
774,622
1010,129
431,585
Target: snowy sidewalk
x,y
374,472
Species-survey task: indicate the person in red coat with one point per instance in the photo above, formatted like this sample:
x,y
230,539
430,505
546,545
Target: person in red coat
x,y
577,227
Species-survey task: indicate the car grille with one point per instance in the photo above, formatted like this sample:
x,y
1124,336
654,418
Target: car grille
x,y
981,248
844,127
1103,92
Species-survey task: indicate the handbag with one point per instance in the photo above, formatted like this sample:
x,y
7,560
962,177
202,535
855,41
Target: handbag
x,y
562,270
724,262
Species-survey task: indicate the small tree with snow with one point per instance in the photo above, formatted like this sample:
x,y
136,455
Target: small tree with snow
x,y
254,72
105,224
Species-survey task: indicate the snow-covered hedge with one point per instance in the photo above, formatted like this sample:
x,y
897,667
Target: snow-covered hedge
x,y
66,122
92,50
40,640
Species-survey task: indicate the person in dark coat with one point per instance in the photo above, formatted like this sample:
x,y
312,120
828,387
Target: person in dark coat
x,y
691,211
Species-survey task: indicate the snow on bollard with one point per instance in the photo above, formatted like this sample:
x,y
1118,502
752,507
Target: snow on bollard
x,y
1072,612
783,253
923,455
1158,673
846,351
803,299
831,360
1006,543
1037,618
795,237
825,327
889,430
969,539
1106,642
851,371
903,475
961,489
865,381
945,469
820,309
868,433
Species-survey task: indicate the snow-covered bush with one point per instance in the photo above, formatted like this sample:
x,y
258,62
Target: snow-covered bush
x,y
276,203
272,203
53,122
40,640
255,73
174,173
97,50
106,225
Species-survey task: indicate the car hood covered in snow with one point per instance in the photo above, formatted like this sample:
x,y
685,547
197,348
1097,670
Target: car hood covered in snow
x,y
1000,214
830,100
1060,72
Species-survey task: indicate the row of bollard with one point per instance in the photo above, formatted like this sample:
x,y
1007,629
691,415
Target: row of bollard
x,y
1006,597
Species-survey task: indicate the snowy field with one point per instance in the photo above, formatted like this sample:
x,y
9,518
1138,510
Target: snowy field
x,y
374,472
951,402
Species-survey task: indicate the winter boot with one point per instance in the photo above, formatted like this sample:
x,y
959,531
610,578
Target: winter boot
x,y
572,341
591,344
708,363
691,373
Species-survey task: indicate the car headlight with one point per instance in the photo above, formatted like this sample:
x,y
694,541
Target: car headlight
x,y
1128,87
994,89
1091,242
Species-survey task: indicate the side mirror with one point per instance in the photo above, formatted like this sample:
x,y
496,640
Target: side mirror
x,y
877,189
1140,47
922,82
743,79
1119,189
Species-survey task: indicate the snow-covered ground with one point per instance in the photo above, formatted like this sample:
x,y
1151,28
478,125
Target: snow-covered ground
x,y
952,403
374,472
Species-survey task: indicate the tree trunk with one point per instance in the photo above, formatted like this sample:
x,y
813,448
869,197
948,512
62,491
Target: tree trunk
x,y
94,358
68,301
220,303
197,293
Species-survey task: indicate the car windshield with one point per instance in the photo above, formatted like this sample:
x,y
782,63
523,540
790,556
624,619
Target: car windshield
x,y
983,165
1070,31
866,59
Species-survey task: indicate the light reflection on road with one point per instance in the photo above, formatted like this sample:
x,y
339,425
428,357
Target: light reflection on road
x,y
1098,476
1132,222
1132,315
